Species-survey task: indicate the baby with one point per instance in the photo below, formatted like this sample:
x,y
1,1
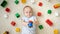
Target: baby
x,y
28,12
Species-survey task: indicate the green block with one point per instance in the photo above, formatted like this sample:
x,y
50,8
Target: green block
x,y
40,26
17,15
49,11
16,1
4,3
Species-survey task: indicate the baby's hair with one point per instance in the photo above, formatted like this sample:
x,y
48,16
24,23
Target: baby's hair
x,y
29,7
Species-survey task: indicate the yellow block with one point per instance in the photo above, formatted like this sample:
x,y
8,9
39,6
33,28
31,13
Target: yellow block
x,y
17,29
23,1
56,31
58,4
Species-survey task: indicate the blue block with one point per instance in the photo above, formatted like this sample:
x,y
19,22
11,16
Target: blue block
x,y
30,24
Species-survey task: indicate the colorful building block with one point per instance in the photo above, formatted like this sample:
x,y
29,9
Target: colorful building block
x,y
56,14
6,32
23,1
49,22
49,11
56,5
32,1
16,1
7,10
6,16
17,29
40,4
56,31
39,14
13,23
30,24
40,26
17,15
4,3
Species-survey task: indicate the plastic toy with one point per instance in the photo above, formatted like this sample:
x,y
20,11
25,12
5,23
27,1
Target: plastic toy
x,y
30,24
40,26
49,22
49,11
7,10
56,14
16,1
23,1
6,32
13,23
39,14
17,15
56,5
40,4
17,29
32,1
56,31
4,3
6,16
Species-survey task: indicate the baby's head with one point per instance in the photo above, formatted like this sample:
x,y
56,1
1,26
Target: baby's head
x,y
28,11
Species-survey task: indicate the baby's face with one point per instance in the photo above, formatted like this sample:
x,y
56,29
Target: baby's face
x,y
28,12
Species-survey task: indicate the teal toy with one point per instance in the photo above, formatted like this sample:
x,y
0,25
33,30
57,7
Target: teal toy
x,y
17,15
16,1
4,3
40,26
49,11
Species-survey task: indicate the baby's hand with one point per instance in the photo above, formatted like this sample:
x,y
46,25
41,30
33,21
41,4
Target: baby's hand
x,y
25,23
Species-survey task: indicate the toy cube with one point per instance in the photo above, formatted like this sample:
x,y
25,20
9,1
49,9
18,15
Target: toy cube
x,y
6,32
49,11
23,1
50,23
4,3
56,5
17,29
17,15
39,14
30,24
40,26
16,1
13,23
55,31
40,4
7,10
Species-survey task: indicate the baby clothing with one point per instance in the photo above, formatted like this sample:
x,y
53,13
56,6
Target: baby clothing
x,y
26,29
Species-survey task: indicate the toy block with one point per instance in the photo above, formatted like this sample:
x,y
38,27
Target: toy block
x,y
56,14
32,1
56,31
23,1
17,15
6,16
17,29
39,14
49,22
7,10
40,4
49,11
30,24
4,3
16,2
6,32
56,5
13,23
40,26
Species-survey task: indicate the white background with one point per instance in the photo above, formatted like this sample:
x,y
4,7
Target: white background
x,y
5,23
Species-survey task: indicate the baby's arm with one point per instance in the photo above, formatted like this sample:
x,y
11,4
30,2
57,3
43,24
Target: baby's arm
x,y
24,23
36,21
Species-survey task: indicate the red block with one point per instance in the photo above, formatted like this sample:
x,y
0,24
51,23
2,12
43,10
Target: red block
x,y
40,4
39,14
7,10
50,23
13,23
